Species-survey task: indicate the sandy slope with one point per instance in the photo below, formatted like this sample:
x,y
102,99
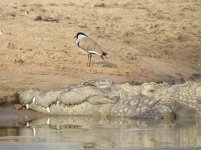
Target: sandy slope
x,y
146,40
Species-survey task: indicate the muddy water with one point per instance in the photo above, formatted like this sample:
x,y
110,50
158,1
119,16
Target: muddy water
x,y
62,133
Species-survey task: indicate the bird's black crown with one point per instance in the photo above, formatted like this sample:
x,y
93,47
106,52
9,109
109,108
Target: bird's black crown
x,y
80,33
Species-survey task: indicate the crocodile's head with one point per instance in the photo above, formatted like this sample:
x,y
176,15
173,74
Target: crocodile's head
x,y
102,98
89,98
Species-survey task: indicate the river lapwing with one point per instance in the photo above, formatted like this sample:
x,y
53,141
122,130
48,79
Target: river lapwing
x,y
88,46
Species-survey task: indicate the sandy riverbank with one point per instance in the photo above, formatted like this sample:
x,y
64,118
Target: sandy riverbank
x,y
154,40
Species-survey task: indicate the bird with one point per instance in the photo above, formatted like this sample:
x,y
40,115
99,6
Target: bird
x,y
89,46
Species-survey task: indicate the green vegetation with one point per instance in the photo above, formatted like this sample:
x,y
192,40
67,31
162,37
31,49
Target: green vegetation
x,y
143,7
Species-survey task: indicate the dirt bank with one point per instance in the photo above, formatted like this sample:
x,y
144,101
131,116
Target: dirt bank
x,y
146,40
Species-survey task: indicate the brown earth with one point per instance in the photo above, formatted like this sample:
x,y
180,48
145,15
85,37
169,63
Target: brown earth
x,y
146,40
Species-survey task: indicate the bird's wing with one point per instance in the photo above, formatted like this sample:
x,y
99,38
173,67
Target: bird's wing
x,y
89,44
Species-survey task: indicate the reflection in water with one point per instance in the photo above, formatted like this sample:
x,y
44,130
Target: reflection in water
x,y
92,133
9,131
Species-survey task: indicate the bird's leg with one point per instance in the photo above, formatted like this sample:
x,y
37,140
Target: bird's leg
x,y
88,59
90,55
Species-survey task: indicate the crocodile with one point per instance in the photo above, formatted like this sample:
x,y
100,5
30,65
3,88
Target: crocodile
x,y
105,98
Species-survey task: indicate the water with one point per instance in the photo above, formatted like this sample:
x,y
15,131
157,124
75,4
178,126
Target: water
x,y
63,133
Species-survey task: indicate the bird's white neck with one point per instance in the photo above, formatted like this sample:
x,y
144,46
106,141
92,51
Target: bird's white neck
x,y
79,38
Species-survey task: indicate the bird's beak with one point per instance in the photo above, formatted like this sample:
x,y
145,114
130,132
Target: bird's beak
x,y
75,36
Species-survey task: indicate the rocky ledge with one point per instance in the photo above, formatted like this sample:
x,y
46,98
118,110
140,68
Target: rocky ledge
x,y
105,98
